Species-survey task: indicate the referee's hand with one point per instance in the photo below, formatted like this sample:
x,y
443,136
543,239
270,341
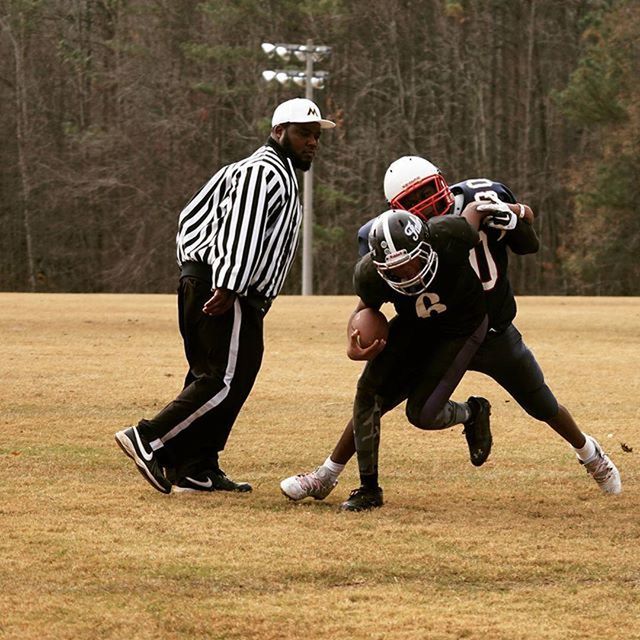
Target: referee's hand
x,y
220,302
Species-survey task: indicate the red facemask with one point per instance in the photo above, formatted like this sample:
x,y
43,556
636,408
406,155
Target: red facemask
x,y
427,198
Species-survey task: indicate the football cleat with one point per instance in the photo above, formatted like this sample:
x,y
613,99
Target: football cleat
x,y
138,449
316,484
214,480
477,430
603,471
363,499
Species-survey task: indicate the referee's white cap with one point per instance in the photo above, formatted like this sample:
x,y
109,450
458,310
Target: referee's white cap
x,y
299,110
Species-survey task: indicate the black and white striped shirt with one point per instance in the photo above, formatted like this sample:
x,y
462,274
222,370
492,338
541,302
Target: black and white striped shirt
x,y
244,222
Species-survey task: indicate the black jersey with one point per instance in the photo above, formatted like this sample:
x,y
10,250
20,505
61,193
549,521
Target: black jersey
x,y
489,258
454,302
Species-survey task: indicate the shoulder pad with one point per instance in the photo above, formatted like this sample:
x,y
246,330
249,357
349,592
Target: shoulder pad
x,y
363,237
469,190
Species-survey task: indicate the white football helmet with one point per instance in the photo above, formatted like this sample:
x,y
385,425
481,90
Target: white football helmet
x,y
416,185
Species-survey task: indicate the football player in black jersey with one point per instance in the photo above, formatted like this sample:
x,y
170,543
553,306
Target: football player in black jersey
x,y
414,184
424,270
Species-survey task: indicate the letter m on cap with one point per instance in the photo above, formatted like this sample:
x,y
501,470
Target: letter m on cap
x,y
312,112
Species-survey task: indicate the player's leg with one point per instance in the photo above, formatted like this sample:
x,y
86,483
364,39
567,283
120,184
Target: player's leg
x,y
507,359
383,385
395,379
434,364
319,482
429,406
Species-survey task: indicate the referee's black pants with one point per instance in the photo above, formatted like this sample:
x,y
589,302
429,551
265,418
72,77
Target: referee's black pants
x,y
224,355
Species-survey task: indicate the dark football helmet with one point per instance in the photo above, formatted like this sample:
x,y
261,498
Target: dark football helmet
x,y
401,253
414,184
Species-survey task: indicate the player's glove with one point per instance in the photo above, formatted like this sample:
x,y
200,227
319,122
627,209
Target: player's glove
x,y
503,221
503,218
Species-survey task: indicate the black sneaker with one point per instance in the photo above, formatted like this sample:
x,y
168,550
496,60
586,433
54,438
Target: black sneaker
x,y
138,449
363,499
215,480
477,430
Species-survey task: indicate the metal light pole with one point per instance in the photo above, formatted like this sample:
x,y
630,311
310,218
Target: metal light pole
x,y
307,53
307,203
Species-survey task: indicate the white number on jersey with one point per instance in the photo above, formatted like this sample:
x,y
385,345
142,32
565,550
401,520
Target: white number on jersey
x,y
428,304
481,252
490,277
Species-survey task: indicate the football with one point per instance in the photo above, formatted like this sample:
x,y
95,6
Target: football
x,y
372,325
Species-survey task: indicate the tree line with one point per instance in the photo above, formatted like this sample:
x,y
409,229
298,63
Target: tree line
x,y
115,111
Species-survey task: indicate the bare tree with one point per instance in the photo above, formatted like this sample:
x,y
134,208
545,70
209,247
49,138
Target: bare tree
x,y
13,25
121,110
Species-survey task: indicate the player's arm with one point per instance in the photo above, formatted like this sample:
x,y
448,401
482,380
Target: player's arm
x,y
475,214
523,238
363,238
514,219
354,350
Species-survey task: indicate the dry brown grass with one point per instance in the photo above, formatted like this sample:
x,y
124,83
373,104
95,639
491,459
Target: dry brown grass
x,y
524,548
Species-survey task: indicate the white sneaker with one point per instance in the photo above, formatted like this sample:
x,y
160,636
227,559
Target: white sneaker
x,y
603,471
317,484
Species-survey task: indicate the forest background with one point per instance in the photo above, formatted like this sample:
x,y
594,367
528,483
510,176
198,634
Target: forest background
x,y
114,112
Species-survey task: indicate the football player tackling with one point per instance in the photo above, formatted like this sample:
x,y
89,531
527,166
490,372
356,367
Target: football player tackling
x,y
414,184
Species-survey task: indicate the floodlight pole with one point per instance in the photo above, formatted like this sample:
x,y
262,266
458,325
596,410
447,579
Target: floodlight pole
x,y
307,203
307,53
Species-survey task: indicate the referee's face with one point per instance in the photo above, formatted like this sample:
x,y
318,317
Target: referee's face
x,y
301,140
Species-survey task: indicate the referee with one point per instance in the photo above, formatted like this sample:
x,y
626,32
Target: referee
x,y
236,240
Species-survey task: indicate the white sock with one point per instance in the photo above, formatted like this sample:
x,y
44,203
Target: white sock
x,y
588,452
333,468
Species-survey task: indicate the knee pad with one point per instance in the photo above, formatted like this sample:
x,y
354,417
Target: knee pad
x,y
412,411
425,420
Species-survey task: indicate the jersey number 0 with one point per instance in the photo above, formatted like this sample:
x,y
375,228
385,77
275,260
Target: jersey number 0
x,y
480,257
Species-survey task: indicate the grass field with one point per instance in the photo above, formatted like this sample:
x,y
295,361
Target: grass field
x,y
525,547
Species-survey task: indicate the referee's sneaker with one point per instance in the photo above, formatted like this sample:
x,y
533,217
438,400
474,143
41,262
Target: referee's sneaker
x,y
137,448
